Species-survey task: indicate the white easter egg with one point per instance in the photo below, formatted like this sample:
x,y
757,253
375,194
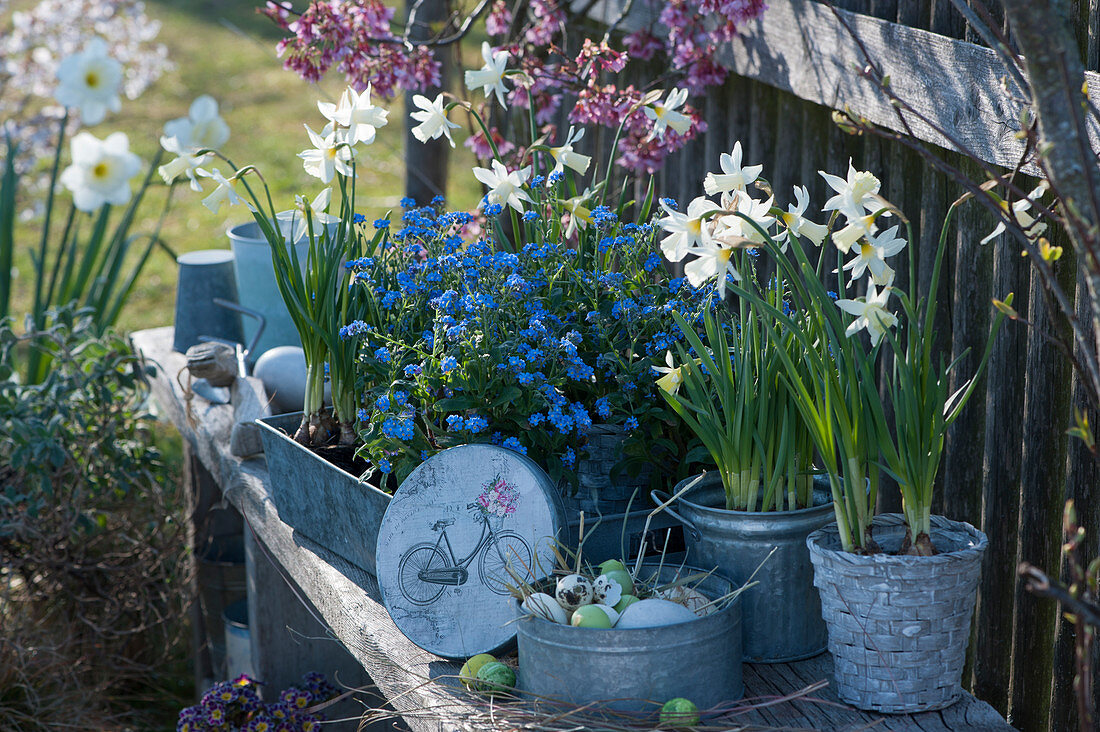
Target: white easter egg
x,y
654,612
543,606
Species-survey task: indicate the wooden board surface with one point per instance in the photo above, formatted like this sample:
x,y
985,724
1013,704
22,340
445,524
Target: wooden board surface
x,y
807,49
418,684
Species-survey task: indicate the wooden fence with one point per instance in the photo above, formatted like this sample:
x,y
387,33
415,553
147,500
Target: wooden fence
x,y
1009,466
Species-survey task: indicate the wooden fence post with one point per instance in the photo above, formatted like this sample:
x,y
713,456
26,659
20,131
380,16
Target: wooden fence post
x,y
426,162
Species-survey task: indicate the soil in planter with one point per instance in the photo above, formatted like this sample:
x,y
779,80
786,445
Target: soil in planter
x,y
344,457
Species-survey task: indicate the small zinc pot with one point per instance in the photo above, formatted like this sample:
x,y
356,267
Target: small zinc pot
x,y
781,615
637,669
899,625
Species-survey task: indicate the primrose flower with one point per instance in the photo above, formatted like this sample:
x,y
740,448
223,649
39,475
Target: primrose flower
x,y
565,157
871,313
328,157
796,224
355,113
733,177
101,170
1023,219
672,378
855,196
664,115
490,77
685,229
89,80
871,257
432,118
505,188
225,192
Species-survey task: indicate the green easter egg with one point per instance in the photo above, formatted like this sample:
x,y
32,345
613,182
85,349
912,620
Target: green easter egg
x,y
679,712
496,678
468,674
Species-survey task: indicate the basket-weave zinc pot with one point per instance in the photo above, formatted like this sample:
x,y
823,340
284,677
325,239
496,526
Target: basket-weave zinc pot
x,y
899,625
781,615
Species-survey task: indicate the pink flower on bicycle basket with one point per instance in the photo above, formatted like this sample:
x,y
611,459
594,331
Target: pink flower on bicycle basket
x,y
499,499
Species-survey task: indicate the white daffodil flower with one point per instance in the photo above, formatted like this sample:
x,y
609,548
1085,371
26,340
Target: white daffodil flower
x,y
871,313
858,228
328,157
184,164
505,188
871,257
432,118
685,230
796,222
356,115
293,223
855,196
712,259
89,80
733,177
672,378
490,77
225,192
202,129
758,211
580,216
564,155
664,115
101,170
1020,212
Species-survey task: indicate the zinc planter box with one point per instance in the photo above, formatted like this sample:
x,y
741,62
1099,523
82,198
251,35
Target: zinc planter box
x,y
318,499
637,669
343,514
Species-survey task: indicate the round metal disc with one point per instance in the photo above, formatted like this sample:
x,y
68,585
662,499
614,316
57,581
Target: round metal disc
x,y
465,525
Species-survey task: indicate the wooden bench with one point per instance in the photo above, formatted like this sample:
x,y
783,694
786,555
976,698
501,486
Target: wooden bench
x,y
312,610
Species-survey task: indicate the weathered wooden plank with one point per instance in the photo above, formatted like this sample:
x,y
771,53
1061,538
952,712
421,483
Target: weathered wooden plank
x,y
970,320
1001,483
807,49
1046,414
1083,487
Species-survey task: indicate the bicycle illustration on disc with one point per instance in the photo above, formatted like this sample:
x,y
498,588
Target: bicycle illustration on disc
x,y
428,568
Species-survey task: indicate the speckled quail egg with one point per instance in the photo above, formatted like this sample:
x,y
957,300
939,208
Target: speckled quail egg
x,y
606,591
573,590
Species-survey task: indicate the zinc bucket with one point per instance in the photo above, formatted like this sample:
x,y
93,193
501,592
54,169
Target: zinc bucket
x,y
781,616
637,669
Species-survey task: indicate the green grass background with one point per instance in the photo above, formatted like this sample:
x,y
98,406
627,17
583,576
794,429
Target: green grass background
x,y
226,49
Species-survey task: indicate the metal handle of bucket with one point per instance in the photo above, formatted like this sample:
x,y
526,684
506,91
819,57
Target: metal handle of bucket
x,y
660,498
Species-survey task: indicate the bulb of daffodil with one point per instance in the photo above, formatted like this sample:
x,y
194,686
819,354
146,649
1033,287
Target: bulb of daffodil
x,y
328,156
871,313
490,77
672,378
89,80
564,156
432,118
356,115
733,177
505,188
664,115
101,170
685,230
